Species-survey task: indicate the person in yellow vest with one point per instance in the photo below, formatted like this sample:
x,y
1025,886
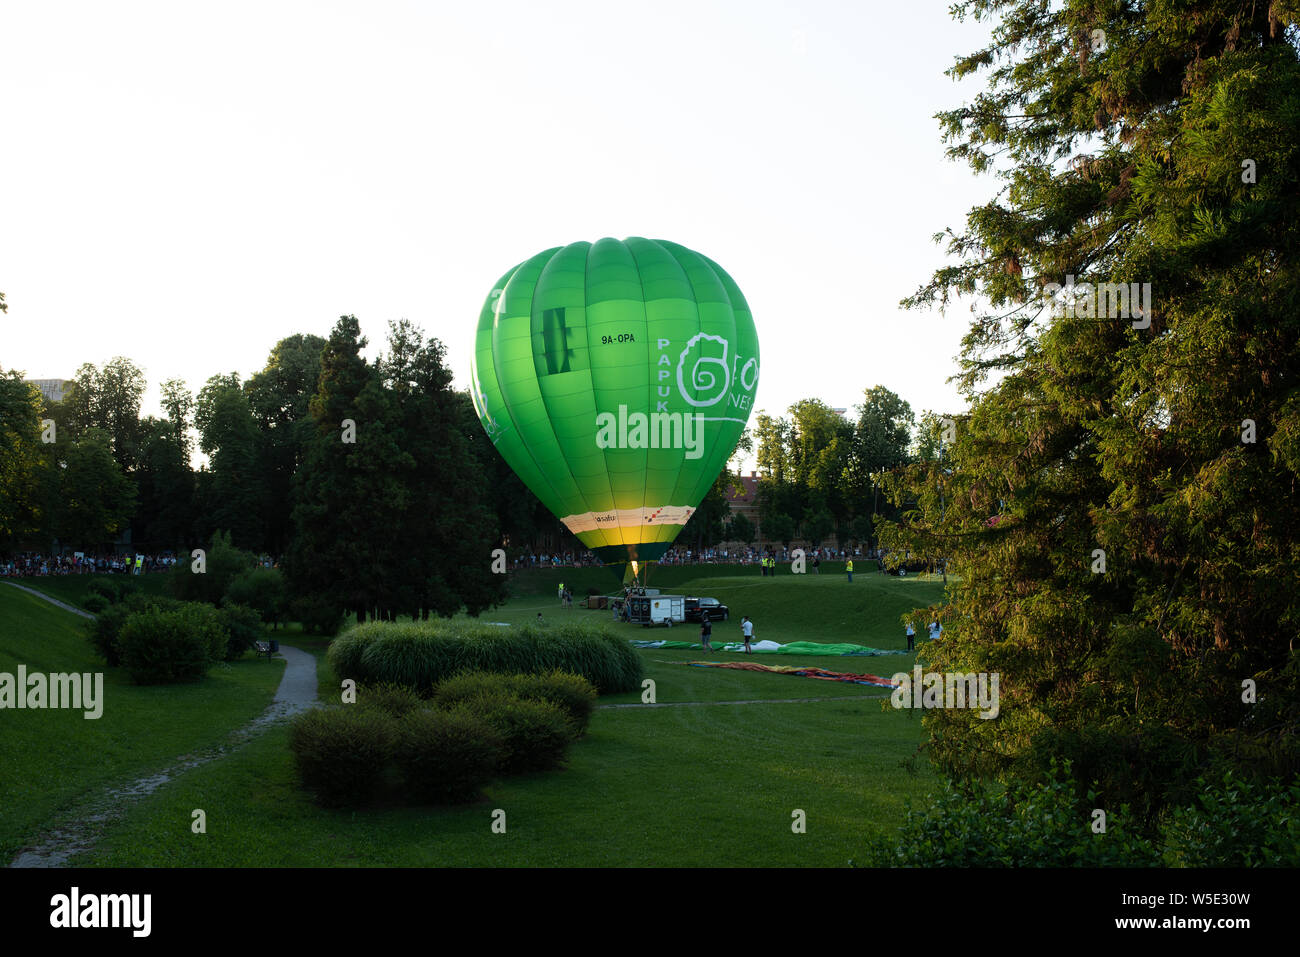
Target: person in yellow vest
x,y
848,567
559,593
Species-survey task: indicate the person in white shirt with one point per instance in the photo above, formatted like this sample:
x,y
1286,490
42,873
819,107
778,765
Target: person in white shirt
x,y
747,630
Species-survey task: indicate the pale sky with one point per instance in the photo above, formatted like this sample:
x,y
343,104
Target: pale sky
x,y
186,184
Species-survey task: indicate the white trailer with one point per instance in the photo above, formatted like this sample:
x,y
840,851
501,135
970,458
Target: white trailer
x,y
667,609
655,609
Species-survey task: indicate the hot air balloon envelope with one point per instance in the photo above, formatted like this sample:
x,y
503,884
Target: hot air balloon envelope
x,y
615,378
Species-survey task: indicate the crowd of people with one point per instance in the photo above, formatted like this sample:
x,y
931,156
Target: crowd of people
x,y
556,560
752,556
37,564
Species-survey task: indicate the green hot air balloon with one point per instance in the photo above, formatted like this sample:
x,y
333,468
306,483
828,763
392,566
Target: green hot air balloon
x,y
615,378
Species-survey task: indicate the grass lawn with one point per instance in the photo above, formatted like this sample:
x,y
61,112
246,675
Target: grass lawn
x,y
647,787
667,786
52,759
701,780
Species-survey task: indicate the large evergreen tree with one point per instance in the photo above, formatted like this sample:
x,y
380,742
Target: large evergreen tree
x,y
442,544
349,493
1123,500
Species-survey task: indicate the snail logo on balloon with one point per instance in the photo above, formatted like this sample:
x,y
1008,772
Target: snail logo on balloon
x,y
703,380
712,376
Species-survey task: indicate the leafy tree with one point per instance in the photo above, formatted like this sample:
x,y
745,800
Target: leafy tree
x,y
21,460
817,526
178,404
741,529
1122,499
235,498
778,527
95,499
164,517
107,399
705,527
279,397
773,437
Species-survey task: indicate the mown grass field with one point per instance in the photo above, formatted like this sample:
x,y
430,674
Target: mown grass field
x,y
695,781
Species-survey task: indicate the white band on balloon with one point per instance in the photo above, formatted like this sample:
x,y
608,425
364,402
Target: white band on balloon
x,y
628,518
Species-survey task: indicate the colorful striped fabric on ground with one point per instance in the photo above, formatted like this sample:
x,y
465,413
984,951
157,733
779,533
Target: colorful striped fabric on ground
x,y
873,680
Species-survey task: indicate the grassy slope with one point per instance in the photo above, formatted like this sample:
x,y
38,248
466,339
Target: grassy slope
x,y
823,608
51,759
712,785
74,589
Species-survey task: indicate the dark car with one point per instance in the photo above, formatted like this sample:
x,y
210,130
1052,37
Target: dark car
x,y
696,607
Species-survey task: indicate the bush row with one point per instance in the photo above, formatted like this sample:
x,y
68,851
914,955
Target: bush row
x,y
443,752
420,655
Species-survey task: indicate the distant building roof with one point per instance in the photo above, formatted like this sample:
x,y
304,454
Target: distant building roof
x,y
750,494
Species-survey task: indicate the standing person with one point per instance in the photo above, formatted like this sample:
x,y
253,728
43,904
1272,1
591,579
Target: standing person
x,y
817,565
848,567
559,592
935,630
747,630
706,631
911,637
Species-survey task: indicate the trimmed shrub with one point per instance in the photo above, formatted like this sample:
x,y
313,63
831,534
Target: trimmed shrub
x,y
243,626
104,630
423,654
342,752
95,603
537,733
446,756
345,651
394,700
405,658
168,646
572,694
